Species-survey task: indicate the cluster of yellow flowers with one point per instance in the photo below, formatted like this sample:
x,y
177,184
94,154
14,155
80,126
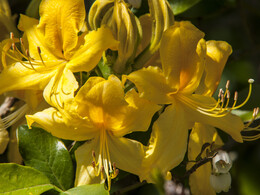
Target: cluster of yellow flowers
x,y
146,65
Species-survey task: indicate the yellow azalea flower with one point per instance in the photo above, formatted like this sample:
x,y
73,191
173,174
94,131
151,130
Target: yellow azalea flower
x,y
102,114
183,53
54,47
216,57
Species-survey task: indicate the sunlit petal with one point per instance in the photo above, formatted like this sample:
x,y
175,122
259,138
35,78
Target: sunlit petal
x,y
35,39
85,173
52,121
217,55
127,154
137,115
19,77
182,54
89,54
60,22
168,142
151,84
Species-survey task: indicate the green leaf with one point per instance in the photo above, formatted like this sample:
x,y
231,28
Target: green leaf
x,y
93,189
22,180
245,115
47,154
179,6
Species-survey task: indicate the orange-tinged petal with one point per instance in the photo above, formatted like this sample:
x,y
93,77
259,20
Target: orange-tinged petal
x,y
60,22
53,121
151,84
89,54
168,142
182,54
200,180
229,123
217,55
103,98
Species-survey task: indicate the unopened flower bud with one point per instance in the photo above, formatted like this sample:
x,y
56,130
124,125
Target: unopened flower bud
x,y
135,3
221,182
221,162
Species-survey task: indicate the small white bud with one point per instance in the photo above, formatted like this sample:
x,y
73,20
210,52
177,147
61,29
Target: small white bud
x,y
221,182
221,162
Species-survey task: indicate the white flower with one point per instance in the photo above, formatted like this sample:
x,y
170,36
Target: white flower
x,y
221,162
221,182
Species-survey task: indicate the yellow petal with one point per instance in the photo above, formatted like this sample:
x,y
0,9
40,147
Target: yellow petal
x,y
200,180
229,123
126,153
168,142
35,39
182,54
136,116
4,139
85,173
104,97
19,77
61,88
217,55
151,84
89,54
52,121
60,22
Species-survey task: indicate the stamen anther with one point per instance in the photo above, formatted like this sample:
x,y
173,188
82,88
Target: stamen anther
x,y
250,81
227,84
228,94
12,35
220,92
235,96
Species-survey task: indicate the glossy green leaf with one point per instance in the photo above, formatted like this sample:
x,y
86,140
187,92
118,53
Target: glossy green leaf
x,y
179,6
94,189
47,154
22,180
